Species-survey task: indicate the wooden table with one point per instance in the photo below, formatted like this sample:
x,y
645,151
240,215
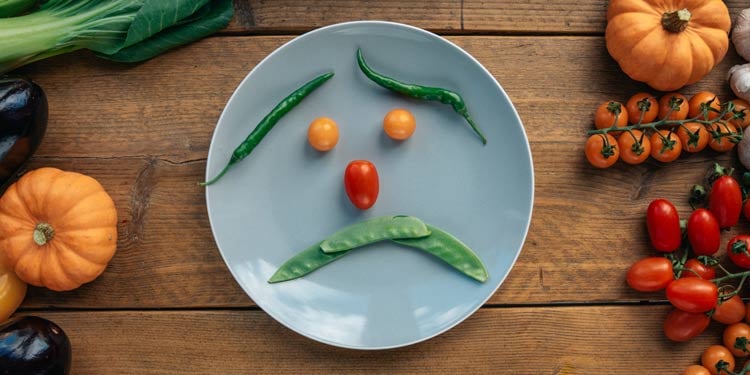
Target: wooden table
x,y
167,303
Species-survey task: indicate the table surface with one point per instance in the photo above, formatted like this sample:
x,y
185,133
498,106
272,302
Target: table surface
x,y
167,303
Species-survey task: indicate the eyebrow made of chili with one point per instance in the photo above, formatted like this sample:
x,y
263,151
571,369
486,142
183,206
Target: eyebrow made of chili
x,y
444,96
267,123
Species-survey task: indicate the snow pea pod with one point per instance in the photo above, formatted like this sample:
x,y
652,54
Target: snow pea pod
x,y
303,263
374,230
450,250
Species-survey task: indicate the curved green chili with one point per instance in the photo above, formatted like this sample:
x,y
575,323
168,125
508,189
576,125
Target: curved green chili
x,y
444,96
267,123
450,250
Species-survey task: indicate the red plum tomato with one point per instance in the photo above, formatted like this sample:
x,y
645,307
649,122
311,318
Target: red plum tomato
x,y
738,250
663,225
650,274
361,183
682,326
703,232
692,294
696,268
725,201
730,311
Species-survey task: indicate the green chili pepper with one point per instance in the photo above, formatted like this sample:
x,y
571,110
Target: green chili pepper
x,y
438,243
450,250
268,122
444,96
374,230
303,263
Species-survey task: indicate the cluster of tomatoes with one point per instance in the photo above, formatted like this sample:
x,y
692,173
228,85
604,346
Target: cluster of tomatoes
x,y
632,133
688,270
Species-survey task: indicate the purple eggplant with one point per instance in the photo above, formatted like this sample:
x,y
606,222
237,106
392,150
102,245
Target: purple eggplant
x,y
31,345
23,122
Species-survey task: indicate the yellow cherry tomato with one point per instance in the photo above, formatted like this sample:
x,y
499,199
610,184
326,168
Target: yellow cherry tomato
x,y
323,134
399,124
12,292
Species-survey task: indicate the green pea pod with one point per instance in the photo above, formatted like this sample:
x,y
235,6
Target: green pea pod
x,y
450,250
374,230
303,263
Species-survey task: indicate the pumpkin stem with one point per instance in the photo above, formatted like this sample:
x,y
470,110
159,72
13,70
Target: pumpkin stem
x,y
676,21
43,233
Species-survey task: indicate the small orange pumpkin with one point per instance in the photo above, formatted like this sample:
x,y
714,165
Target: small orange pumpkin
x,y
57,229
667,43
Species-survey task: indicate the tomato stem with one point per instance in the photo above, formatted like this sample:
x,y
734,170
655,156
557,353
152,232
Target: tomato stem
x,y
666,122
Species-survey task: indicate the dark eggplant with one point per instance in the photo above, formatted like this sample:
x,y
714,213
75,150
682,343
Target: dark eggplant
x,y
23,122
32,345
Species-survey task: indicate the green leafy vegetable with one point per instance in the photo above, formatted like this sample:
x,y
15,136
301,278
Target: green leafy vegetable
x,y
10,8
122,30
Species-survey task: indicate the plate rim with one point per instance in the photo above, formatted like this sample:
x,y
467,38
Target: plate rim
x,y
458,49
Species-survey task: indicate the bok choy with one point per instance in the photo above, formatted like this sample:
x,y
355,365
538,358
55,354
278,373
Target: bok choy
x,y
120,30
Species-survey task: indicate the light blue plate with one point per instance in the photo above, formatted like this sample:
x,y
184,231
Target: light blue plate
x,y
285,196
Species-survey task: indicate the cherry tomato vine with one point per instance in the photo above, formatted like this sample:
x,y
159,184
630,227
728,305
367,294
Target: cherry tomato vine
x,y
711,124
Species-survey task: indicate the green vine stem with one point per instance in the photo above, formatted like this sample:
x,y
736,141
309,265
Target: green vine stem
x,y
665,122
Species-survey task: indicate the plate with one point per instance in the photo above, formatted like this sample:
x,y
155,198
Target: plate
x,y
286,196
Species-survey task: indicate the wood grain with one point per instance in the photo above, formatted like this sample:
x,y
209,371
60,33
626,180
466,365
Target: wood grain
x,y
147,129
445,16
542,340
264,16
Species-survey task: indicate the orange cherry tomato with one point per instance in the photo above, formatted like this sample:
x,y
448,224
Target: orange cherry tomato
x,y
723,143
635,147
715,353
693,136
610,113
730,311
399,124
12,292
676,100
736,338
323,134
642,104
601,154
740,116
665,146
701,100
696,370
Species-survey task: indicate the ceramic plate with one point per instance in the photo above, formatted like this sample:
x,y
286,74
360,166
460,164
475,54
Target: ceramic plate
x,y
286,196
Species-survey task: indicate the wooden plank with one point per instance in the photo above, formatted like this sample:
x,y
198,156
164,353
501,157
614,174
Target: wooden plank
x,y
174,100
289,16
144,131
549,340
542,16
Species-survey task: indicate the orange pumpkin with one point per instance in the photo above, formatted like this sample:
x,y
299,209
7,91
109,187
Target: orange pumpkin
x,y
57,229
667,43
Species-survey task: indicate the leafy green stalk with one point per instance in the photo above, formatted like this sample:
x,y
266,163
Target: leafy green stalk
x,y
106,27
11,8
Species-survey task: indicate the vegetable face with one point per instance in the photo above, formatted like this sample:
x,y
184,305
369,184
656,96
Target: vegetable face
x,y
667,44
57,229
23,122
33,345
